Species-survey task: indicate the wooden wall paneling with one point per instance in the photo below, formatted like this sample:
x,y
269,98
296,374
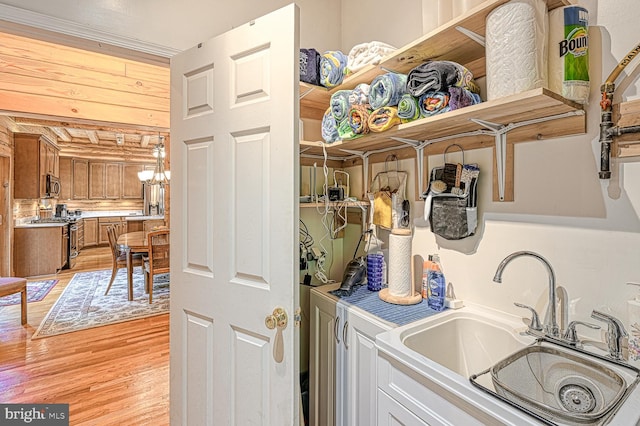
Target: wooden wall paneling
x,y
50,80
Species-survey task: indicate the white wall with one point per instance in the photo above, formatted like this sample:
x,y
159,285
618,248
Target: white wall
x,y
587,228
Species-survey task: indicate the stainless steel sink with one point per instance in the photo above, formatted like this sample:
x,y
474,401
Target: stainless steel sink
x,y
561,385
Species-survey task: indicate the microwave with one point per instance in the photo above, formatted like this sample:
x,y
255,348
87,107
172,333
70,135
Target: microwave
x,y
52,186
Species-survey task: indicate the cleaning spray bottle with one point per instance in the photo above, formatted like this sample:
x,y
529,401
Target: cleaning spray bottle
x,y
633,314
437,285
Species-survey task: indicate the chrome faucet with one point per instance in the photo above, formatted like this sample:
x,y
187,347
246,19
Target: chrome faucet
x,y
615,334
551,328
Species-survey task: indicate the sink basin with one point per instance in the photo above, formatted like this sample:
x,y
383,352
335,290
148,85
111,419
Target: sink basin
x,y
466,342
563,385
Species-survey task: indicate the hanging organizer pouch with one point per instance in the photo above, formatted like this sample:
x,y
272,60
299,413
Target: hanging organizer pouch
x,y
451,200
387,196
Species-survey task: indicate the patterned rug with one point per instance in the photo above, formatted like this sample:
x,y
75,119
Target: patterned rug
x,y
36,291
83,304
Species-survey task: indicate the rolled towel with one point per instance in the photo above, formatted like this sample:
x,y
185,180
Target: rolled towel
x,y
332,67
387,89
360,94
460,98
432,103
345,131
364,54
340,105
329,127
383,119
408,109
359,119
438,76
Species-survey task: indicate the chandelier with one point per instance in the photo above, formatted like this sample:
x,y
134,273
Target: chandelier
x,y
158,176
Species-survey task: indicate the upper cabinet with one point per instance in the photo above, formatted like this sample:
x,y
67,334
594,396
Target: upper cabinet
x,y
529,116
131,185
104,180
80,178
35,157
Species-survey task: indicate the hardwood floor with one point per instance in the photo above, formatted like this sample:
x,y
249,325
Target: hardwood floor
x,y
110,375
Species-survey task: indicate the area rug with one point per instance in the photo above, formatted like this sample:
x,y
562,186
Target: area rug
x,y
36,291
83,304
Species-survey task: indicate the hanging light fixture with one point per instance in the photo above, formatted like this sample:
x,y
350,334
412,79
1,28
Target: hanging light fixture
x,y
159,176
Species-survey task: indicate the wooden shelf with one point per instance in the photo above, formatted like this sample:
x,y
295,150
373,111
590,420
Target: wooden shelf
x,y
443,43
531,105
529,116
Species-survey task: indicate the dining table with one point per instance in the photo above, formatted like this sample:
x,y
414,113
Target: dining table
x,y
130,243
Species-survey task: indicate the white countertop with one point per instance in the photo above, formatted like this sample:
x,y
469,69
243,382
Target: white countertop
x,y
41,225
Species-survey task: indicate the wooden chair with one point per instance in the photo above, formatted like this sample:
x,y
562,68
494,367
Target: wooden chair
x,y
119,257
11,285
148,225
158,260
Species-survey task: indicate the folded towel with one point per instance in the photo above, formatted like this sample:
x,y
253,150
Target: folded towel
x,y
358,119
329,127
332,68
387,89
408,109
432,103
460,97
439,76
340,105
310,66
364,54
360,94
383,119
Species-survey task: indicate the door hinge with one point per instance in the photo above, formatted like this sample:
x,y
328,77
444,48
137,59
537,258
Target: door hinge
x,y
297,317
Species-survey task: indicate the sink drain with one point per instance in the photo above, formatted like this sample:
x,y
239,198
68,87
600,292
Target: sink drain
x,y
577,398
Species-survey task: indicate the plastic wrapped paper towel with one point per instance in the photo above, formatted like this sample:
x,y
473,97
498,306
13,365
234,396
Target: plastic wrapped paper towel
x,y
516,48
569,53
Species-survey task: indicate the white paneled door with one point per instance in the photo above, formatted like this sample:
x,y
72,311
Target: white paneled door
x,y
234,226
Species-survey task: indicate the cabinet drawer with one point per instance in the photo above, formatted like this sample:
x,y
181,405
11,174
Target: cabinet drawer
x,y
426,399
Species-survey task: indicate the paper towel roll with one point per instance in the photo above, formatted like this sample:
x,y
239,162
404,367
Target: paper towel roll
x,y
569,53
516,45
400,284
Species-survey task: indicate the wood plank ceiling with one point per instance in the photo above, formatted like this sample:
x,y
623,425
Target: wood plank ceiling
x,y
81,98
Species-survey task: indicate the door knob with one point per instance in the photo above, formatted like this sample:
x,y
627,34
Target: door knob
x,y
278,320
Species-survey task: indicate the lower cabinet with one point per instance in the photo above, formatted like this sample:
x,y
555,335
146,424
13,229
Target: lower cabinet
x,y
104,223
39,250
90,232
342,362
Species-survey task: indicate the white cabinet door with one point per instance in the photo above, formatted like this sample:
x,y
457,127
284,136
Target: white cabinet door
x,y
234,238
392,413
323,341
359,383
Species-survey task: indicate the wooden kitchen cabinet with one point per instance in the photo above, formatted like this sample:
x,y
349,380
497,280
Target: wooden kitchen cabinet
x,y
104,223
131,185
66,176
80,242
39,250
80,187
90,232
104,180
35,156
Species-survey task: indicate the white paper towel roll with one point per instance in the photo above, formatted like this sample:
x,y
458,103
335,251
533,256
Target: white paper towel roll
x,y
569,53
400,284
516,45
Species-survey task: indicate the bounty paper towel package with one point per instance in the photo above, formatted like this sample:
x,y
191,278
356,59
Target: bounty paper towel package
x,y
569,53
516,47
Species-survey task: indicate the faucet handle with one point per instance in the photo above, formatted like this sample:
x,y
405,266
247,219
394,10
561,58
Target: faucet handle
x,y
535,319
571,336
615,333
